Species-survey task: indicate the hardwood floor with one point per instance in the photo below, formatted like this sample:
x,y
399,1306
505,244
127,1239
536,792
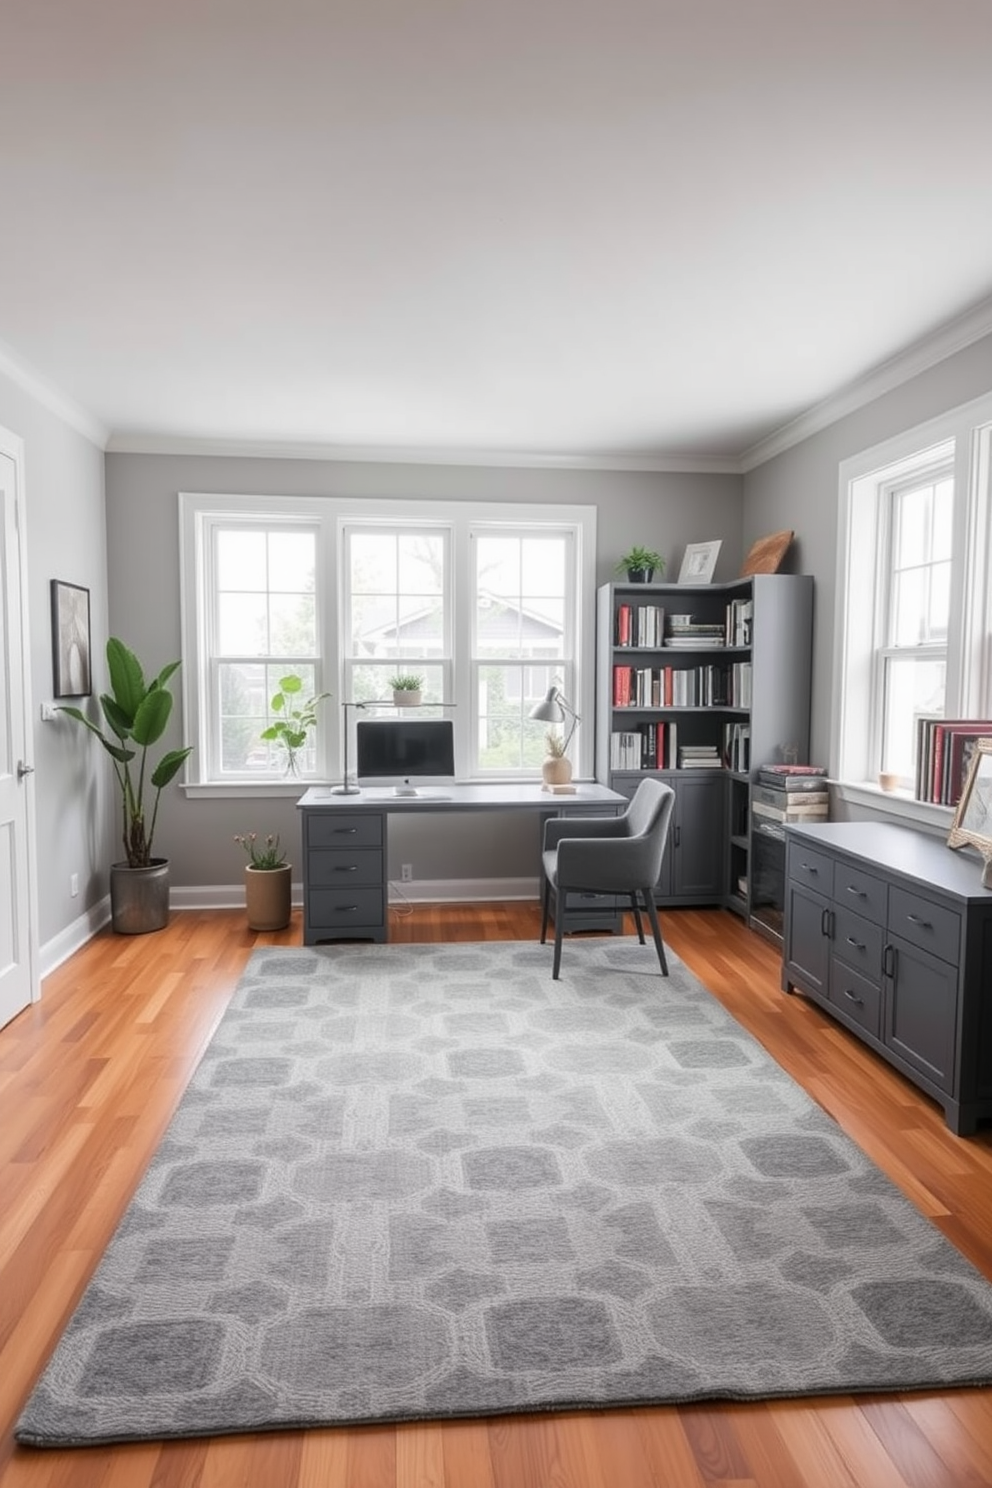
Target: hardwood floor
x,y
90,1076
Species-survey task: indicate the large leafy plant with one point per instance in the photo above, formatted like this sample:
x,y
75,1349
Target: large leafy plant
x,y
136,714
294,717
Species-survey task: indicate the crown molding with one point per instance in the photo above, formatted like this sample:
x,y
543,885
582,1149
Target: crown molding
x,y
158,444
964,330
51,397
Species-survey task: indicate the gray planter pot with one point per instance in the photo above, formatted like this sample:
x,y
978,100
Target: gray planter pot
x,y
139,897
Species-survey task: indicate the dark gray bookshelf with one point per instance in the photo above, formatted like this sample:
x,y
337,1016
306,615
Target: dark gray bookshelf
x,y
715,855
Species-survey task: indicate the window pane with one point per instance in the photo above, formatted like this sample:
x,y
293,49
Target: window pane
x,y
291,562
293,625
913,527
242,625
241,562
910,595
372,557
508,739
914,689
943,518
421,563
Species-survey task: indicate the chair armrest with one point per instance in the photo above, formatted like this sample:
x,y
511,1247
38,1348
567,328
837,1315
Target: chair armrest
x,y
557,827
620,865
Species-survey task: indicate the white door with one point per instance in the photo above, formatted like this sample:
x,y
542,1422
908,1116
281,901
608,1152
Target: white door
x,y
18,982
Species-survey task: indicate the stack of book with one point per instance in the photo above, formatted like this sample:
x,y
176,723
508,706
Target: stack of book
x,y
790,793
699,757
944,747
686,636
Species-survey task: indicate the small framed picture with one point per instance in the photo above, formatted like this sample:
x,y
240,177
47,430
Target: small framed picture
x,y
71,640
972,824
699,562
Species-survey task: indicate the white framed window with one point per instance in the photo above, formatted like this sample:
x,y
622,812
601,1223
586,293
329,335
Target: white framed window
x,y
345,593
913,632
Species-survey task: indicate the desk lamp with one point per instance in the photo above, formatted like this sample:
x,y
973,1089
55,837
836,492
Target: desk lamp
x,y
554,708
344,789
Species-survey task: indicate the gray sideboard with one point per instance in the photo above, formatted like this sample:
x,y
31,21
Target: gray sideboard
x,y
890,932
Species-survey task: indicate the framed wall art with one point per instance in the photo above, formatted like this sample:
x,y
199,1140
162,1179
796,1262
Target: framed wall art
x,y
972,824
699,562
71,640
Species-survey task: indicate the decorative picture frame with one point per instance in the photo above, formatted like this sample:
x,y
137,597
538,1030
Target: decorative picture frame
x,y
71,640
972,824
699,562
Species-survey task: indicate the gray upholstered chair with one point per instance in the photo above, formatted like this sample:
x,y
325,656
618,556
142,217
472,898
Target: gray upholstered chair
x,y
609,855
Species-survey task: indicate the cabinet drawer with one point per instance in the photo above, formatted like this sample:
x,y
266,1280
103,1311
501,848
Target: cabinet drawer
x,y
811,868
858,942
337,909
586,899
862,892
925,924
341,869
856,996
340,829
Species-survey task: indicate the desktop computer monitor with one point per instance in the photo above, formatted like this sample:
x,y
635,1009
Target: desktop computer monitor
x,y
405,753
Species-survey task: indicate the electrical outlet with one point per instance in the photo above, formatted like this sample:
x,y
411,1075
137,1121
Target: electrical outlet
x,y
406,873
74,884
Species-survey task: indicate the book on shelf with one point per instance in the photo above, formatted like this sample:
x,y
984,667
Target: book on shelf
x,y
944,747
793,777
791,812
740,615
639,625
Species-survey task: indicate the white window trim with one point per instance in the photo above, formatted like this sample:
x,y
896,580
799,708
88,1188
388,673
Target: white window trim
x,y
861,479
333,514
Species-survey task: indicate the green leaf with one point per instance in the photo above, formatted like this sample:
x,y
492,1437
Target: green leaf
x,y
126,677
169,766
151,718
291,684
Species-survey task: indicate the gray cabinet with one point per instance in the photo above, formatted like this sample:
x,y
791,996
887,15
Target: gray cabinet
x,y
891,933
737,686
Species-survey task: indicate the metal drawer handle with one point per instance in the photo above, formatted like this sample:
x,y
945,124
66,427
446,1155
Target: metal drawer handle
x,y
345,831
351,868
858,945
889,960
346,908
916,920
858,893
853,997
808,868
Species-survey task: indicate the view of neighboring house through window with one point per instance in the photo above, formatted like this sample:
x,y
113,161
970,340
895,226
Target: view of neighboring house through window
x,y
265,628
523,640
397,596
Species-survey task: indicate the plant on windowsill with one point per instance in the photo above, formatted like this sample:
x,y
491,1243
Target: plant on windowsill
x,y
557,767
407,689
639,564
136,713
294,719
268,882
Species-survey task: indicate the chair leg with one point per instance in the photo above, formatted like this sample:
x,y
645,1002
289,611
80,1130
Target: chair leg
x,y
637,916
559,916
545,908
656,930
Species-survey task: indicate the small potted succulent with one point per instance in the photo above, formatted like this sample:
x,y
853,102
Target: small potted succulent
x,y
268,882
639,564
407,689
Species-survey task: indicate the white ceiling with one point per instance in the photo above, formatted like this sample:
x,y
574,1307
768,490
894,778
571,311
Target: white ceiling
x,y
629,230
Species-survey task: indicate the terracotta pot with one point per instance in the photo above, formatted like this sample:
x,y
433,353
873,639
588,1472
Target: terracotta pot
x,y
557,770
268,897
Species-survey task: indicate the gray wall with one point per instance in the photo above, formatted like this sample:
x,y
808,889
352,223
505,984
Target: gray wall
x,y
799,489
657,510
65,529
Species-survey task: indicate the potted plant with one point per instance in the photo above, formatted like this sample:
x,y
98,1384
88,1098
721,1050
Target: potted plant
x,y
268,882
295,718
639,564
136,713
407,688
557,767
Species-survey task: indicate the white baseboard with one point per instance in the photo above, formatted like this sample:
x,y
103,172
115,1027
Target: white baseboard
x,y
73,937
462,890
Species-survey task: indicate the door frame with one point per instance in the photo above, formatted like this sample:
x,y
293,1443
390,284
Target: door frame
x,y
12,445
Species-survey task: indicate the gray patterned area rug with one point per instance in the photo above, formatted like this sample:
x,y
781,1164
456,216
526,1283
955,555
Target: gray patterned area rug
x,y
429,1181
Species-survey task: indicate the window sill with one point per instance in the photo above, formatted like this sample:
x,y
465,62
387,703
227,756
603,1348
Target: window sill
x,y
247,789
900,805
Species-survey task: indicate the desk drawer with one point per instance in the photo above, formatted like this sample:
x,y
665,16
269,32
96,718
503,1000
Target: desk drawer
x,y
344,829
861,892
337,909
814,869
856,996
341,869
858,942
929,926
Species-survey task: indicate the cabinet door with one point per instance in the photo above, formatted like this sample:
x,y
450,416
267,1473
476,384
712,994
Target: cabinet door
x,y
697,860
807,941
920,1018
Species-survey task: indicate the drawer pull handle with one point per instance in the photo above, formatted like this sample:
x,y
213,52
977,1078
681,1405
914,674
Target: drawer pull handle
x,y
917,920
853,997
346,908
345,831
858,945
858,893
889,960
351,868
808,868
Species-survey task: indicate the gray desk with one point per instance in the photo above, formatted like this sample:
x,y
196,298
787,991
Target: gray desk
x,y
345,843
